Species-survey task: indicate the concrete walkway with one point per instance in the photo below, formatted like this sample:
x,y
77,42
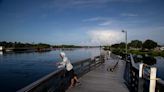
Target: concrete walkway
x,y
102,79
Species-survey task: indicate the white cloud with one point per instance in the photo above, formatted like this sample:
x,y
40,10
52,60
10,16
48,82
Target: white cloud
x,y
129,14
101,21
93,19
105,37
75,3
84,2
65,4
106,23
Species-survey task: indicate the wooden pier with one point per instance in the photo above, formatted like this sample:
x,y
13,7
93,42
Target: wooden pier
x,y
101,75
101,79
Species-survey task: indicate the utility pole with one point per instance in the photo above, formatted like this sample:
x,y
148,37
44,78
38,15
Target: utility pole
x,y
126,44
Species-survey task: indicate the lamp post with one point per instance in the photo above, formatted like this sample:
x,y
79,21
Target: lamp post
x,y
126,45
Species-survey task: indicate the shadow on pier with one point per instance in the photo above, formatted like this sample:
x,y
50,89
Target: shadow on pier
x,y
102,79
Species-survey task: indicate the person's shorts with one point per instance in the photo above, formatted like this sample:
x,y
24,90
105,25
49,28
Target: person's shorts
x,y
71,73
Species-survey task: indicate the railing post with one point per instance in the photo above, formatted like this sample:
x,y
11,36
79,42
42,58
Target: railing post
x,y
140,80
81,68
152,86
140,70
90,64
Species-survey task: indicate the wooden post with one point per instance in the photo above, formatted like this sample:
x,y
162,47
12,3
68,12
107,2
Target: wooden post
x,y
140,80
152,86
90,65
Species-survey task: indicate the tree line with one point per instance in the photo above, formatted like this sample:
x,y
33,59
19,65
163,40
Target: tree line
x,y
147,44
34,45
137,47
23,45
66,46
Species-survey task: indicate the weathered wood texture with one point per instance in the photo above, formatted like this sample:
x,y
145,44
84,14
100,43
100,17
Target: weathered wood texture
x,y
102,79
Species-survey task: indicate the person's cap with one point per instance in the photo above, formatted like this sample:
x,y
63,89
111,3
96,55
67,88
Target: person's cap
x,y
62,54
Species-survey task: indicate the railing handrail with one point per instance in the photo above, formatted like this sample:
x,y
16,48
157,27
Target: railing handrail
x,y
146,74
81,61
39,81
35,84
133,63
160,81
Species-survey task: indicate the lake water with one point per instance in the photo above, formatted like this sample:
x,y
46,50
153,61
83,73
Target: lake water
x,y
160,67
20,69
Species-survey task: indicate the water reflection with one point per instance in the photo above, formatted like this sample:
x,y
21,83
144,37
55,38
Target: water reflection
x,y
145,59
160,67
1,53
152,61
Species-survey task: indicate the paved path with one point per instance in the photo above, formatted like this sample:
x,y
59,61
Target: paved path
x,y
101,80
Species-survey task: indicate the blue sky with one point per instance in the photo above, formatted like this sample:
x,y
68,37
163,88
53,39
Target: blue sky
x,y
81,22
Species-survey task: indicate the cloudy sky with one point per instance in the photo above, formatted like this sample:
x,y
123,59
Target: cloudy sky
x,y
81,22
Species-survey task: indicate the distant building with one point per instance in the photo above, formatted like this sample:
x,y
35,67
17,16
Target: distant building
x,y
157,49
162,48
1,48
1,52
131,48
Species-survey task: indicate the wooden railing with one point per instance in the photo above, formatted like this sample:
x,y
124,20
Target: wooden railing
x,y
141,77
59,81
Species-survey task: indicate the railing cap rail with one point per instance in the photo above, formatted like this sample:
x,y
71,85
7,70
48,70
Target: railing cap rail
x,y
38,82
43,79
74,63
133,63
160,81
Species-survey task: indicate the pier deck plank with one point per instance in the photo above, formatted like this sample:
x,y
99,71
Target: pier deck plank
x,y
101,80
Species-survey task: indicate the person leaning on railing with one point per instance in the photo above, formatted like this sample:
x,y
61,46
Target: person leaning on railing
x,y
69,67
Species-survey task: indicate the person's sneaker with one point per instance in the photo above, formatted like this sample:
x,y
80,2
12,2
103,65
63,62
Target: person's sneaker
x,y
78,83
71,86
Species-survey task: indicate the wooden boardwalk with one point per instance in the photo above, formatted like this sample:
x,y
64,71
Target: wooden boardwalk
x,y
102,79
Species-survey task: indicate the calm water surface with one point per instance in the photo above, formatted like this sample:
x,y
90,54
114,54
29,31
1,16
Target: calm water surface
x,y
20,69
160,67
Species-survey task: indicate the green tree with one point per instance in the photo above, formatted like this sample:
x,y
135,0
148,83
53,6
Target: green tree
x,y
135,44
149,44
120,45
